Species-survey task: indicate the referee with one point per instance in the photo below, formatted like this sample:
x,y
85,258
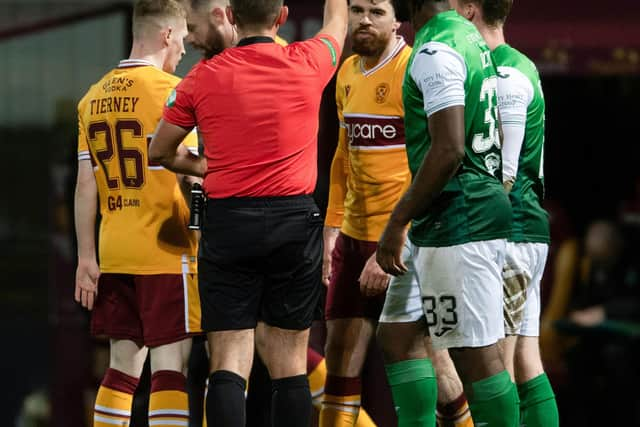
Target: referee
x,y
256,106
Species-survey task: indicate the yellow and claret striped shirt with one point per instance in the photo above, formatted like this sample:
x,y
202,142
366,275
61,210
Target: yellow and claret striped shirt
x,y
369,172
144,215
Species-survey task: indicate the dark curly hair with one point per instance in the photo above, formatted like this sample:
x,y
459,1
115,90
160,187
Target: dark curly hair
x,y
405,8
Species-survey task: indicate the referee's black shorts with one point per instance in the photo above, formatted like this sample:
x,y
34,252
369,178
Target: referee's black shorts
x,y
260,260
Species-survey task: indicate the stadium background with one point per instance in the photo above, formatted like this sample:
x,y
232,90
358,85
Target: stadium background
x,y
588,53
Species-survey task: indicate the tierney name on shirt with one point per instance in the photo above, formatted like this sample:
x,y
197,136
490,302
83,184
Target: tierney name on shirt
x,y
114,104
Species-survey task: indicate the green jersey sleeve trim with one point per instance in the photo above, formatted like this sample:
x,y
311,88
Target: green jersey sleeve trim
x,y
332,50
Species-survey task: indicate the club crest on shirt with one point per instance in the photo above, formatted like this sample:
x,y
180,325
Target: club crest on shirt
x,y
492,163
382,92
347,90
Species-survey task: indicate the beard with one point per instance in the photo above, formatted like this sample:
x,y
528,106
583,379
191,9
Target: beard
x,y
215,43
370,46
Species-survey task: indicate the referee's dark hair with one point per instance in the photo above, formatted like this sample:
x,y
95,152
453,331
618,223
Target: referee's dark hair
x,y
256,13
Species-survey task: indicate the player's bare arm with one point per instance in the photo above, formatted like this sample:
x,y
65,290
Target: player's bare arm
x,y
329,234
335,207
336,20
439,165
85,208
186,181
164,149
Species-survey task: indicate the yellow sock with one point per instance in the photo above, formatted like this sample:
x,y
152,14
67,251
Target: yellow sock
x,y
455,414
168,403
114,399
317,379
316,383
339,411
364,420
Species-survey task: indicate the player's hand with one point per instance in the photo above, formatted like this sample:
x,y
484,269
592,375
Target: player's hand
x,y
330,234
87,276
389,252
373,280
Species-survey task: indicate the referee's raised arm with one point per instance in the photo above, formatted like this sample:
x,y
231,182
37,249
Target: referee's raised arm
x,y
335,23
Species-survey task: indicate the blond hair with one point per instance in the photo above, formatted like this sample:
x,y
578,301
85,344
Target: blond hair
x,y
154,14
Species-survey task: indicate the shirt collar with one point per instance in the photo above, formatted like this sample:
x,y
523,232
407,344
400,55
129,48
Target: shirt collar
x,y
255,39
126,63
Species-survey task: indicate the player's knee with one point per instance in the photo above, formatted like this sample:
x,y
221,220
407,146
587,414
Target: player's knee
x,y
527,360
400,344
337,347
442,362
292,365
171,357
126,363
341,340
345,356
384,337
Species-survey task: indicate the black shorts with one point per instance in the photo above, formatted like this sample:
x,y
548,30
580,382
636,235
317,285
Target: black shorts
x,y
260,260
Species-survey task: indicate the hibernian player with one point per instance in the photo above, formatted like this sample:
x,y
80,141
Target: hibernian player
x,y
460,213
522,110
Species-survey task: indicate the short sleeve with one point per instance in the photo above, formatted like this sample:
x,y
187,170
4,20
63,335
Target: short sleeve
x,y
179,109
83,146
323,52
341,95
439,72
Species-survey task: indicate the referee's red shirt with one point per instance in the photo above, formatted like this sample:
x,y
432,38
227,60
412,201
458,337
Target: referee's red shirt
x,y
256,106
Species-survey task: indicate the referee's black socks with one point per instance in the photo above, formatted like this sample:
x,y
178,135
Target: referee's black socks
x,y
225,400
291,402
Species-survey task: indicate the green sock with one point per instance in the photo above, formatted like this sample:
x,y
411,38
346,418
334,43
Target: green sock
x,y
495,402
538,406
415,392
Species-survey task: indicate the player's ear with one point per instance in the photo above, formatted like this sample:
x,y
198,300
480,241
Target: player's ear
x,y
282,17
166,35
396,25
230,17
469,10
217,15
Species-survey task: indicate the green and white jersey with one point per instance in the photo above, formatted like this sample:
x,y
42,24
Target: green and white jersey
x,y
451,66
521,106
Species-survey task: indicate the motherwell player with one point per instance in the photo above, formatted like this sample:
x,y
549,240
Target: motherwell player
x,y
369,173
143,292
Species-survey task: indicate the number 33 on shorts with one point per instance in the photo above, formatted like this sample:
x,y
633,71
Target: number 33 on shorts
x,y
441,313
